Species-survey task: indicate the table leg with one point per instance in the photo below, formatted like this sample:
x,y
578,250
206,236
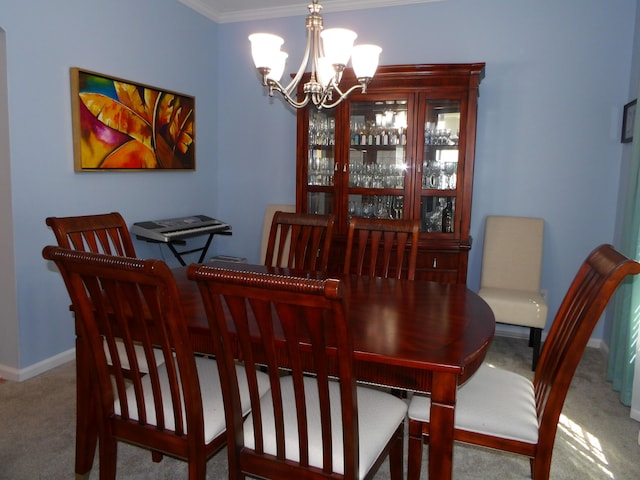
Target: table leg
x,y
86,430
443,401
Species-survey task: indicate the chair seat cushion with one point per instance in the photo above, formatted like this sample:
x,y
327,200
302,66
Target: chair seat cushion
x,y
494,402
212,403
379,415
142,359
516,307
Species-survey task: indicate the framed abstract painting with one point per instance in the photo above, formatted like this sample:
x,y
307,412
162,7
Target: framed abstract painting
x,y
119,125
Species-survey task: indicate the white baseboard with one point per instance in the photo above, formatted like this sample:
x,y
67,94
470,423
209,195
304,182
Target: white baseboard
x,y
20,375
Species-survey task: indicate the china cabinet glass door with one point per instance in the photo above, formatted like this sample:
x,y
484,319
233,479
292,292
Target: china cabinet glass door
x,y
377,160
440,171
321,165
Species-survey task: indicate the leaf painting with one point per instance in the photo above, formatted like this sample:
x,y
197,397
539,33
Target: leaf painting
x,y
123,125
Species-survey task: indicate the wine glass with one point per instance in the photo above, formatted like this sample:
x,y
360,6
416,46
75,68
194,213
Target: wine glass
x,y
381,210
449,172
367,208
352,209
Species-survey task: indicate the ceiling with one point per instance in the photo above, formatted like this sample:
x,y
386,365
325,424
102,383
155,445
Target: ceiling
x,y
227,11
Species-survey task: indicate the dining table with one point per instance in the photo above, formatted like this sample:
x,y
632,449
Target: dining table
x,y
408,335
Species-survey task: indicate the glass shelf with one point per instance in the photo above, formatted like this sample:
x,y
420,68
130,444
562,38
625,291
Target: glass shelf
x,y
376,206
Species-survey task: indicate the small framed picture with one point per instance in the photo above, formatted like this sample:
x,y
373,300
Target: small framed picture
x,y
628,117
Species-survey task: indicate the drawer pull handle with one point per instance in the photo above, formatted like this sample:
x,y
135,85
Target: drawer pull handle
x,y
435,262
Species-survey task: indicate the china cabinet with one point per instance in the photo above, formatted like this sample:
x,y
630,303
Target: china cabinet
x,y
404,149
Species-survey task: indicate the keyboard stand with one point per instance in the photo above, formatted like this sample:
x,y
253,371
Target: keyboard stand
x,y
179,254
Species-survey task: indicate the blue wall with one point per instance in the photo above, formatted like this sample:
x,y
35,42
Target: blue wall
x,y
156,42
557,76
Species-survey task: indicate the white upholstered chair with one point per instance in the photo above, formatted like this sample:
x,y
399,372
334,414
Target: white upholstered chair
x,y
269,211
511,271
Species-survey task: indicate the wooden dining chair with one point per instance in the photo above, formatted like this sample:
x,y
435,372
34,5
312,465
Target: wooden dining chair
x,y
269,211
382,247
300,241
105,233
505,411
315,422
175,408
102,233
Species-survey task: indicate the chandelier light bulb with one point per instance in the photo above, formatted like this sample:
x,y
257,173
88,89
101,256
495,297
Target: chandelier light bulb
x,y
337,44
264,49
364,60
278,66
326,71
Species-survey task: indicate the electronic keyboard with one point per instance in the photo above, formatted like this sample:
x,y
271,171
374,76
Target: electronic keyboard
x,y
177,228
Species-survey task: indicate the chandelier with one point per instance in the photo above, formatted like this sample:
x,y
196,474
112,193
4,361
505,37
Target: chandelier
x,y
329,58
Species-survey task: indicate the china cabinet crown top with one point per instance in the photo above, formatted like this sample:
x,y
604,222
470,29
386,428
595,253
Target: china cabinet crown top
x,y
449,74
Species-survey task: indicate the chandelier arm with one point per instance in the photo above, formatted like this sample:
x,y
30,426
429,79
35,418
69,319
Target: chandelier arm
x,y
295,104
342,96
275,86
314,26
317,50
303,66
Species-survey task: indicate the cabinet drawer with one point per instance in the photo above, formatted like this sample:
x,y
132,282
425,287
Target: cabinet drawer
x,y
430,260
439,266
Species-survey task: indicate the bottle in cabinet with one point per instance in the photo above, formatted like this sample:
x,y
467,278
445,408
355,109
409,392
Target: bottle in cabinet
x,y
447,218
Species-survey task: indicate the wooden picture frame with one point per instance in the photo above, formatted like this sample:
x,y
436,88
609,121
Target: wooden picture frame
x,y
628,118
119,125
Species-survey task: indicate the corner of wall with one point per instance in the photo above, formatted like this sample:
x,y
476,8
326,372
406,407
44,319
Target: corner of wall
x,y
9,341
20,375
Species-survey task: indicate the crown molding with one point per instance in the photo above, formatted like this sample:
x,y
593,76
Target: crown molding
x,y
207,9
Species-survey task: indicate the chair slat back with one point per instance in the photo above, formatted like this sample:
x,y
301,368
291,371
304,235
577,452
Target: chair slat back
x,y
273,319
103,233
594,284
300,241
269,212
134,303
382,247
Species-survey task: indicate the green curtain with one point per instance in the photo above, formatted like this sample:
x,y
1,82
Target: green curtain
x,y
626,312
